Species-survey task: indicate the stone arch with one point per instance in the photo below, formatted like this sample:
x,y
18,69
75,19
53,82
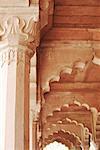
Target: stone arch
x,y
67,143
68,125
71,113
65,136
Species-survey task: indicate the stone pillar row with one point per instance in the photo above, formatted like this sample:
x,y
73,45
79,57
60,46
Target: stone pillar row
x,y
19,37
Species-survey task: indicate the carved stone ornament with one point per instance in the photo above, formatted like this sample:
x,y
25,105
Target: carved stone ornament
x,y
19,32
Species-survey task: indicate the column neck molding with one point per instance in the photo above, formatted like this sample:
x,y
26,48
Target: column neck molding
x,y
13,55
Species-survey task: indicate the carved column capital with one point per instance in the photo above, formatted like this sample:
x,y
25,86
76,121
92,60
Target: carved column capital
x,y
19,28
19,33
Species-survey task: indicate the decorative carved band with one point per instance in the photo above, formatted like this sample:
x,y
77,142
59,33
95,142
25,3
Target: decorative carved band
x,y
13,55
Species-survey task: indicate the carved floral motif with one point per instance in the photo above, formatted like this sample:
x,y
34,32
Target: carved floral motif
x,y
19,35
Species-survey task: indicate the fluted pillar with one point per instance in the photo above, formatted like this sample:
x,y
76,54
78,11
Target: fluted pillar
x,y
19,37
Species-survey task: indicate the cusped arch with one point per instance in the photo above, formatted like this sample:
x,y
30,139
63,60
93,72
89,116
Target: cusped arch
x,y
66,100
77,73
71,127
58,139
65,136
74,112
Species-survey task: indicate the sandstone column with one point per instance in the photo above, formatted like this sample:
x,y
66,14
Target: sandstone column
x,y
18,41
